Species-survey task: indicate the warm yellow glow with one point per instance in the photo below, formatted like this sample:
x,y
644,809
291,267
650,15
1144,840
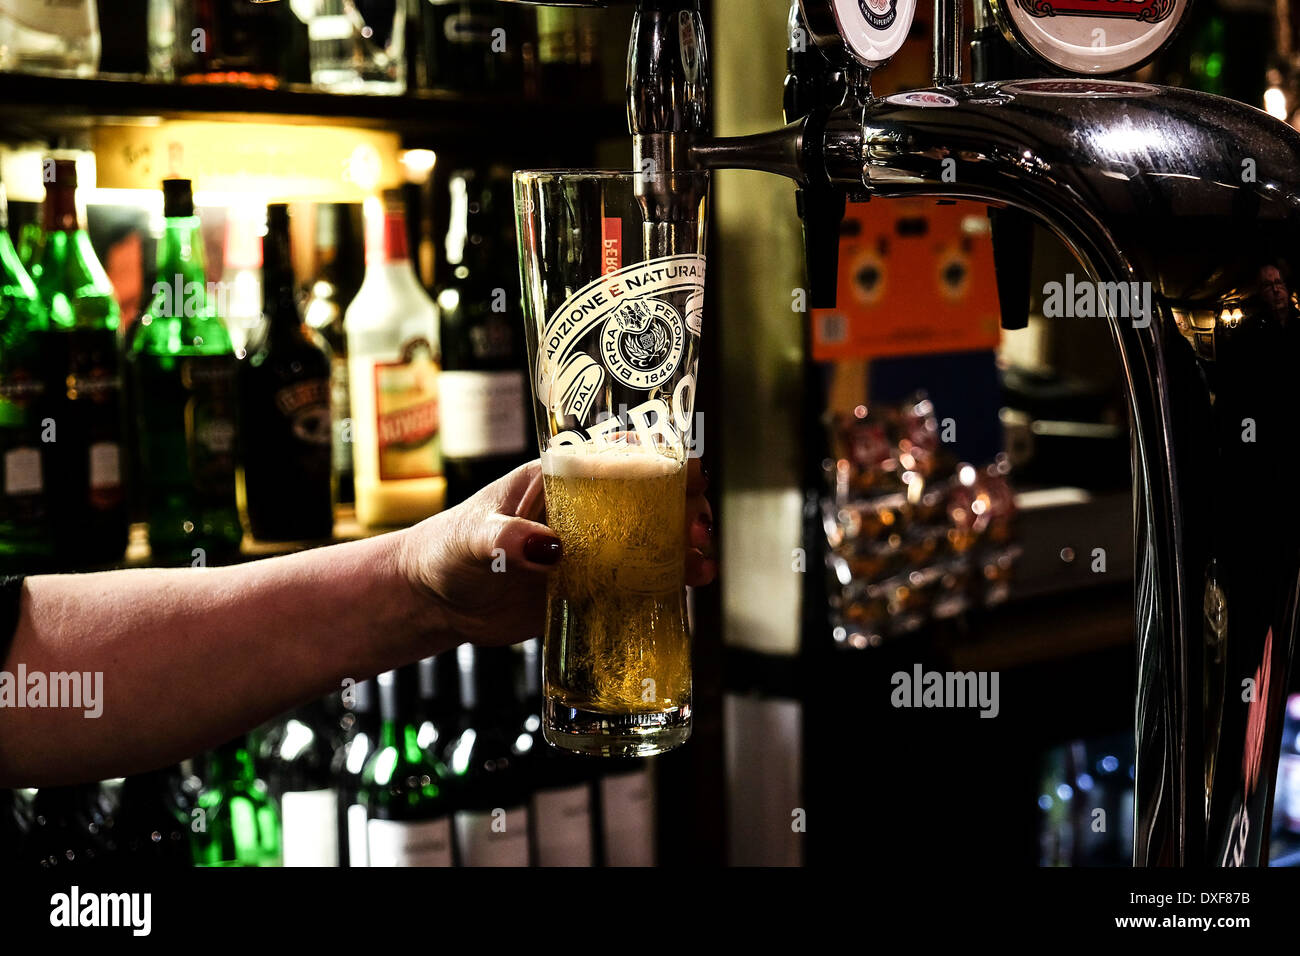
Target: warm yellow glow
x,y
418,164
1275,102
274,162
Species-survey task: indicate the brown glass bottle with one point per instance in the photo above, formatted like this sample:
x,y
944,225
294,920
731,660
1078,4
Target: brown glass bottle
x,y
285,409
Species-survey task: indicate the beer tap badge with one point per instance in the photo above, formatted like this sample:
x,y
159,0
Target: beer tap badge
x,y
1091,37
1148,11
642,314
879,13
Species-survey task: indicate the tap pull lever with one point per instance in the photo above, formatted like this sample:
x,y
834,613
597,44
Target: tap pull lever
x,y
822,210
1013,252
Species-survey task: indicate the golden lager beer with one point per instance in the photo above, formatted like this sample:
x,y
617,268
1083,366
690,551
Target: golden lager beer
x,y
618,655
613,312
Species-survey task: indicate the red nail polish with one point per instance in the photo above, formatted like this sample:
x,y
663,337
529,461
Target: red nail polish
x,y
542,549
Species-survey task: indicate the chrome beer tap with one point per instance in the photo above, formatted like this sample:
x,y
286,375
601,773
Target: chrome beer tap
x,y
1183,210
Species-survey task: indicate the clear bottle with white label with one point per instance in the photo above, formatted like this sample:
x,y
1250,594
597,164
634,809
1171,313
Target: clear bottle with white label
x,y
297,752
487,761
393,366
50,36
403,789
483,393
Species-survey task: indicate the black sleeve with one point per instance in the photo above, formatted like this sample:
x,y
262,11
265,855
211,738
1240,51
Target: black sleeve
x,y
11,595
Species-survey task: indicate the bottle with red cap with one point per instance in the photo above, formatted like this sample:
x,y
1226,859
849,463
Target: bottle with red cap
x,y
393,365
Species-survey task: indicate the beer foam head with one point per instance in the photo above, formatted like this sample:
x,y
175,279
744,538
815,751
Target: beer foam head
x,y
610,461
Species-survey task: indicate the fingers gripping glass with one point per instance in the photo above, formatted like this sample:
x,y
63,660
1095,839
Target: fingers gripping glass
x,y
612,267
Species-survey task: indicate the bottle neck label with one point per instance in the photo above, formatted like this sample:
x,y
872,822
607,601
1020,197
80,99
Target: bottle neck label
x,y
386,240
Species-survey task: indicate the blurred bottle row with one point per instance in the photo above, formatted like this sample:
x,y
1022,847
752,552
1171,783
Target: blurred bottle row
x,y
914,535
238,403
346,46
437,764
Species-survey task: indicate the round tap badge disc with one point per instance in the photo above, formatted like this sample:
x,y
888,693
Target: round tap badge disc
x,y
1090,37
868,31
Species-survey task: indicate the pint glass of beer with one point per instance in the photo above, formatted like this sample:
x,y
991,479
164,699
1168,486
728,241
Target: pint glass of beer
x,y
612,267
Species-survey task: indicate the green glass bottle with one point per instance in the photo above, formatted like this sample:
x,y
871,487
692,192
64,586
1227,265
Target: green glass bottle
x,y
86,499
25,543
403,788
239,823
29,243
184,370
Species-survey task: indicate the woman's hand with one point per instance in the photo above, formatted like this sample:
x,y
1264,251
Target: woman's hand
x,y
485,561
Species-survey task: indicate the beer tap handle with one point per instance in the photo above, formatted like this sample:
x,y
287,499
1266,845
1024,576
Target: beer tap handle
x,y
1013,251
812,87
822,210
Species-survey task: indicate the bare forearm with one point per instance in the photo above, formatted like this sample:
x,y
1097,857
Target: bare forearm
x,y
191,657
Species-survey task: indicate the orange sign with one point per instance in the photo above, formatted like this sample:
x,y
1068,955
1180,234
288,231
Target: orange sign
x,y
915,277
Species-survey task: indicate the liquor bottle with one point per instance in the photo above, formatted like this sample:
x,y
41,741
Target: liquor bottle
x,y
349,761
482,390
284,397
151,823
25,543
241,278
404,789
487,761
440,712
561,807
357,46
472,45
237,824
393,364
342,265
83,482
238,42
184,370
37,36
297,752
627,812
